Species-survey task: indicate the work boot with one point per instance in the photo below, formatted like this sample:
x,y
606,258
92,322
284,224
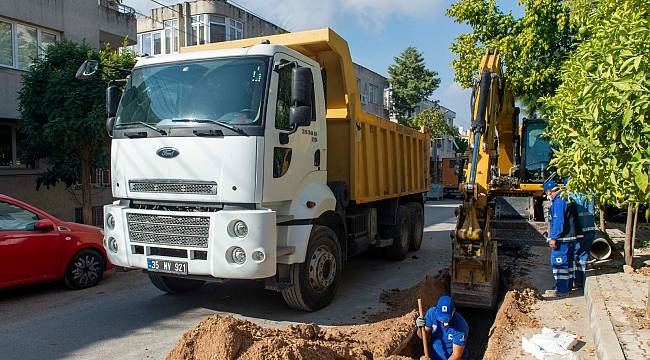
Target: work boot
x,y
554,294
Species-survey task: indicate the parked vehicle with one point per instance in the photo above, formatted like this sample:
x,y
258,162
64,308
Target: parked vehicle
x,y
37,247
452,175
252,159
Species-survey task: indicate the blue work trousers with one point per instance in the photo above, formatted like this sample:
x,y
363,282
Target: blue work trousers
x,y
583,246
563,264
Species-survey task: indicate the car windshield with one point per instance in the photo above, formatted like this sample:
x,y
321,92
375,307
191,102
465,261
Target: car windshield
x,y
229,90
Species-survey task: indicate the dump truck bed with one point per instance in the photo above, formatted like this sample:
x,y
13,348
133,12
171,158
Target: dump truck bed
x,y
378,159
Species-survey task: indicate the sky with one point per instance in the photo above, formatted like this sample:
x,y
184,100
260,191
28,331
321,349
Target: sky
x,y
376,31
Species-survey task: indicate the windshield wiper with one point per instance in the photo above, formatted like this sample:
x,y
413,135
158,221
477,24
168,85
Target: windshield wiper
x,y
212,121
156,129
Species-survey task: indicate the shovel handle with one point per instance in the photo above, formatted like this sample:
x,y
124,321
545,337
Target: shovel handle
x,y
425,343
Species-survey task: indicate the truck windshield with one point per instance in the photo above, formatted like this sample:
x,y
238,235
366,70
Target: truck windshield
x,y
230,91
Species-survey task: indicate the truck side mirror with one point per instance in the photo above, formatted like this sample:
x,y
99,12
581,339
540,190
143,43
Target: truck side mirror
x,y
87,69
302,86
110,124
113,95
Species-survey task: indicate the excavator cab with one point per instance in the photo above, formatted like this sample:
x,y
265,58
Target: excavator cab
x,y
535,152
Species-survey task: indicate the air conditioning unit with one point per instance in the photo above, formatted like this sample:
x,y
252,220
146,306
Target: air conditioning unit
x,y
364,99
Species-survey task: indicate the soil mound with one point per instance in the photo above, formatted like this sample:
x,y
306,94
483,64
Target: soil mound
x,y
219,337
514,312
402,301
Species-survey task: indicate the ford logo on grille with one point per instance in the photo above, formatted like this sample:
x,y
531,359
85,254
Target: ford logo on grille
x,y
167,152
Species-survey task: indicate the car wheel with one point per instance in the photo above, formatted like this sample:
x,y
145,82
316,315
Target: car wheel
x,y
315,281
84,270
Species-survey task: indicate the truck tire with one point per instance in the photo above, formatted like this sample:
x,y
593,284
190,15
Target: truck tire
x,y
400,233
174,285
417,225
315,281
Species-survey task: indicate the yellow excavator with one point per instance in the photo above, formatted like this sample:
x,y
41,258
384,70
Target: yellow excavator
x,y
502,187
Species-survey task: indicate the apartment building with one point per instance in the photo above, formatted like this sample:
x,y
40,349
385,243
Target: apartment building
x,y
27,27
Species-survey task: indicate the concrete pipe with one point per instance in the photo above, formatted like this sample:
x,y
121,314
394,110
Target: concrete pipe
x,y
600,248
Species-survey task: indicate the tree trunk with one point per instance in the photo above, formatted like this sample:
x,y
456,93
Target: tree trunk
x,y
628,235
602,219
647,302
636,220
86,198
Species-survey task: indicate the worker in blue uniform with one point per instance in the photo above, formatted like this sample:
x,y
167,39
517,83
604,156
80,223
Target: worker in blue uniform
x,y
563,233
587,220
446,330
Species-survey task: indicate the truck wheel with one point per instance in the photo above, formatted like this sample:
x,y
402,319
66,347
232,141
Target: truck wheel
x,y
315,281
84,270
400,233
417,225
174,285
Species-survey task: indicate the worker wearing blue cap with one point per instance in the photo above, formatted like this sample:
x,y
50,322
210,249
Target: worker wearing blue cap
x,y
447,330
563,233
587,220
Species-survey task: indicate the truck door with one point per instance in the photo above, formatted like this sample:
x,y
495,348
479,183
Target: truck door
x,y
288,159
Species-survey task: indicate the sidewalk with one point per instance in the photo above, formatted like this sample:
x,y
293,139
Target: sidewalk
x,y
617,303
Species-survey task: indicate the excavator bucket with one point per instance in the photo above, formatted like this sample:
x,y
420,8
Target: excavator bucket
x,y
475,279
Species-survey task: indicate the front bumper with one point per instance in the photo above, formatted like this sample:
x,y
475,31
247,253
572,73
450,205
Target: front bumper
x,y
133,251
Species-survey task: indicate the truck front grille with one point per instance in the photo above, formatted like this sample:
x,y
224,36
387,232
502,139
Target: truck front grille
x,y
191,231
200,188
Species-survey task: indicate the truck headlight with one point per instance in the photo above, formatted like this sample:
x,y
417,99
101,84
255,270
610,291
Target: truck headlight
x,y
239,229
112,244
238,255
110,221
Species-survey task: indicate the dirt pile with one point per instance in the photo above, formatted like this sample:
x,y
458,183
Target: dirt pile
x,y
402,301
515,311
219,337
389,335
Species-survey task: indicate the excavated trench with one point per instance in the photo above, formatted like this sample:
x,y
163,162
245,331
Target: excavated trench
x,y
387,335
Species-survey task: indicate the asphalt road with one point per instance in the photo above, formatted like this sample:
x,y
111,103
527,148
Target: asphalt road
x,y
126,317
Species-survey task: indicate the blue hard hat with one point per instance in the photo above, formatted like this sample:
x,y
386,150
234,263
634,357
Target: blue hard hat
x,y
549,185
445,309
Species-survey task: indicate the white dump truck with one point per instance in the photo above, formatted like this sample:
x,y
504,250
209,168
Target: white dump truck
x,y
252,159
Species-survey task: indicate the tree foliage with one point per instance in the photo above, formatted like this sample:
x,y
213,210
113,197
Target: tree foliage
x,y
63,118
434,119
412,82
533,47
600,115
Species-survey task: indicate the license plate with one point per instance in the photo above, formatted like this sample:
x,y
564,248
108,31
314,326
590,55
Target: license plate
x,y
166,266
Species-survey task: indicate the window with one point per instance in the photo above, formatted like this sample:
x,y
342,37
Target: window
x,y
235,29
6,44
21,43
198,30
284,99
26,44
13,217
146,44
47,39
171,36
217,28
157,45
373,94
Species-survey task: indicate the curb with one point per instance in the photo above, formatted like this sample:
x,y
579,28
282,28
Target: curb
x,y
602,330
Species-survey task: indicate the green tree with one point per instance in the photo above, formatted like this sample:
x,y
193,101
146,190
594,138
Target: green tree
x,y
412,82
533,47
600,116
461,142
63,118
434,119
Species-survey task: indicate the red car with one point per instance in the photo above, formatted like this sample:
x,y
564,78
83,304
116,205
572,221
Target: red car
x,y
37,247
